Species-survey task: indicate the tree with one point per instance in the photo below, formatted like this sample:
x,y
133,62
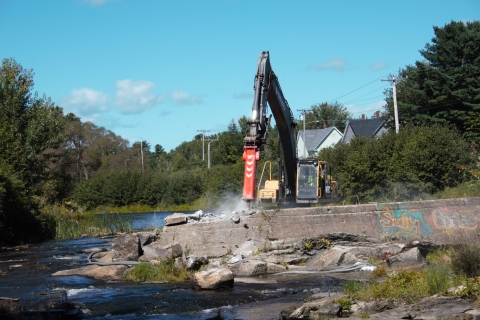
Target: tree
x,y
445,87
332,114
30,126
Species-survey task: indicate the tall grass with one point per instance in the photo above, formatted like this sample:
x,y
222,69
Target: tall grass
x,y
71,223
165,271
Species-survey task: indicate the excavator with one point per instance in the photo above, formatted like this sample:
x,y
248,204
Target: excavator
x,y
301,182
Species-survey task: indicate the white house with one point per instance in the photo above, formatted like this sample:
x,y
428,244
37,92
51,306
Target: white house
x,y
316,140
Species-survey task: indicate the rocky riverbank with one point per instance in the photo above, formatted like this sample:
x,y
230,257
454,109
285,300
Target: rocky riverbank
x,y
299,278
337,255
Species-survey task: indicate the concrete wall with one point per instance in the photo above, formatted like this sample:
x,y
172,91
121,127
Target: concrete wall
x,y
435,220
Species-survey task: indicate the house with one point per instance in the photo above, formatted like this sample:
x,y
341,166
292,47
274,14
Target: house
x,y
316,140
364,128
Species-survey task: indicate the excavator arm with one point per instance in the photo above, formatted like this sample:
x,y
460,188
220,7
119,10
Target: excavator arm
x,y
267,89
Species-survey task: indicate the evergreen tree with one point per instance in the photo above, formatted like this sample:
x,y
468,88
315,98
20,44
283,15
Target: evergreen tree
x,y
445,87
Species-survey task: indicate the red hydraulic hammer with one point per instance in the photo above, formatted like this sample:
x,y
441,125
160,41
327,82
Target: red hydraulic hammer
x,y
250,155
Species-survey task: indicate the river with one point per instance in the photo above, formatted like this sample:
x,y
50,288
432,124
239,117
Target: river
x,y
26,275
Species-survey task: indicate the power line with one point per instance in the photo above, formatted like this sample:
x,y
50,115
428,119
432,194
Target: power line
x,y
355,90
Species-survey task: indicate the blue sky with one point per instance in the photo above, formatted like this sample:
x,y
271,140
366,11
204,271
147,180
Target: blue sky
x,y
162,70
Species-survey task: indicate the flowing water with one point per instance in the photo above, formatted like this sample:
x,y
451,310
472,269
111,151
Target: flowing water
x,y
26,274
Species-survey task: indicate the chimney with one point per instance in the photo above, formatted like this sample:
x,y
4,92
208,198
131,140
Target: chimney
x,y
377,114
313,127
363,117
324,125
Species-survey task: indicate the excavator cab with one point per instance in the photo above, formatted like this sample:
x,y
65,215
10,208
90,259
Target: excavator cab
x,y
314,182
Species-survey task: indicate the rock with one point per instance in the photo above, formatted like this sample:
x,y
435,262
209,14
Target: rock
x,y
196,216
175,250
212,279
235,218
126,247
146,238
235,259
249,268
409,257
106,273
194,263
245,249
275,268
328,259
318,309
298,313
176,218
154,251
180,263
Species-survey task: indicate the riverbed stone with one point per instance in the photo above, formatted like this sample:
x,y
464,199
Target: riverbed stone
x,y
146,237
176,218
156,251
275,268
249,268
126,247
194,263
410,257
212,279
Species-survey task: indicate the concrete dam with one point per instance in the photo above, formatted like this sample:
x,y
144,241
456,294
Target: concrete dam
x,y
432,220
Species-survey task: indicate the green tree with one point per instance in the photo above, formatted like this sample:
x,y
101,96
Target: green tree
x,y
30,127
445,86
332,114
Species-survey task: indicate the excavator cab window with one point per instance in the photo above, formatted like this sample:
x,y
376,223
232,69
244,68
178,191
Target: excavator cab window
x,y
307,183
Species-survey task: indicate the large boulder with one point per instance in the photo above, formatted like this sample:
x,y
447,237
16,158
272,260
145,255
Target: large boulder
x,y
176,218
105,273
212,279
155,251
249,268
126,247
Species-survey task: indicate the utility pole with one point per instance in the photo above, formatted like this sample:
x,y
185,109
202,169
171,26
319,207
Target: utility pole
x,y
203,142
141,151
394,82
209,140
304,112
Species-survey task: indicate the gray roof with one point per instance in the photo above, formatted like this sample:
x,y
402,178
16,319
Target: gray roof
x,y
366,127
315,137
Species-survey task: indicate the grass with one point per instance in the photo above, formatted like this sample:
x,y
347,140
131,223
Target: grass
x,y
71,223
164,271
455,266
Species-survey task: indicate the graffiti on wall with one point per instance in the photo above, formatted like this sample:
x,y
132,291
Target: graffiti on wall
x,y
400,222
450,219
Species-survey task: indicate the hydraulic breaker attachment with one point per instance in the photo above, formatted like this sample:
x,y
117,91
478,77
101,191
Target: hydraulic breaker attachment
x,y
251,155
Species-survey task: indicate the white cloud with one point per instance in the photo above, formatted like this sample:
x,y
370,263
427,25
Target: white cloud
x,y
134,97
95,3
333,64
379,65
86,102
182,98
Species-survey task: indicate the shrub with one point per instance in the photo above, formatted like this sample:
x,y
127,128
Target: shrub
x,y
466,260
400,166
